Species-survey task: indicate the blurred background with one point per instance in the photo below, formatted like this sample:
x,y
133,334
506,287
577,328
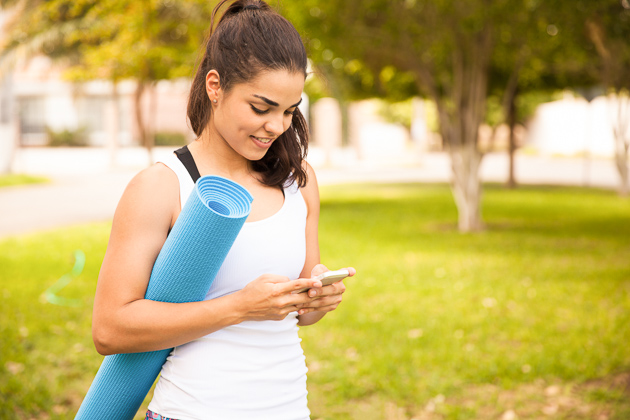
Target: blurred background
x,y
473,158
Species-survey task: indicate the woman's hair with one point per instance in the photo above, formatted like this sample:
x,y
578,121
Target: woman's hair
x,y
249,39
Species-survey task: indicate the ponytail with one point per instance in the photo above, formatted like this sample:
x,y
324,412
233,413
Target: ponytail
x,y
251,38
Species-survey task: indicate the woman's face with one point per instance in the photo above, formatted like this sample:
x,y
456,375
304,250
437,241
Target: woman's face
x,y
251,116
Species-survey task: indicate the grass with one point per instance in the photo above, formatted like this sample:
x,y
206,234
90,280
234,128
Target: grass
x,y
16,179
530,316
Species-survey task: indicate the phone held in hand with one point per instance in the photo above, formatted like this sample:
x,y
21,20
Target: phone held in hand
x,y
329,277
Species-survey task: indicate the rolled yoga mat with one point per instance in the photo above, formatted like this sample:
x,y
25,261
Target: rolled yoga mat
x,y
183,272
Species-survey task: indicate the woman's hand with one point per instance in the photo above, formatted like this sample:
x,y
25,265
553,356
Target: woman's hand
x,y
324,299
272,297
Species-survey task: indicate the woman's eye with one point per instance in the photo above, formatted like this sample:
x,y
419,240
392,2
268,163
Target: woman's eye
x,y
259,111
287,112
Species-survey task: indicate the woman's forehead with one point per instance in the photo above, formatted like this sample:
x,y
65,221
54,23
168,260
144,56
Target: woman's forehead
x,y
278,86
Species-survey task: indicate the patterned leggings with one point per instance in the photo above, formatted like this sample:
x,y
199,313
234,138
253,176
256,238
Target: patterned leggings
x,y
154,416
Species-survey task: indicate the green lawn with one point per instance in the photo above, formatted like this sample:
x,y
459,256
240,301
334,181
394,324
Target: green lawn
x,y
532,315
12,180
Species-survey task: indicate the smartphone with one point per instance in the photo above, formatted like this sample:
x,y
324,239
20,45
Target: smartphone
x,y
329,277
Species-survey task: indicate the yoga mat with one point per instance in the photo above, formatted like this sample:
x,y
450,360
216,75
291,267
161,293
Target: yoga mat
x,y
183,272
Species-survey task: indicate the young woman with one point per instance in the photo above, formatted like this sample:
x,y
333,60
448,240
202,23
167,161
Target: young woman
x,y
237,354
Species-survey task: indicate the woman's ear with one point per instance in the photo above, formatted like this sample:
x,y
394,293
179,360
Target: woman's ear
x,y
213,86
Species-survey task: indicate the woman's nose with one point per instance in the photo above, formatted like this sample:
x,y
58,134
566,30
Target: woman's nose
x,y
275,124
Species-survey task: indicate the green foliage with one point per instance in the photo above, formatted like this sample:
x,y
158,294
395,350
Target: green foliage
x,y
18,179
494,111
145,41
607,32
471,325
397,112
345,77
528,102
399,50
110,39
402,113
543,46
526,105
167,138
431,116
67,137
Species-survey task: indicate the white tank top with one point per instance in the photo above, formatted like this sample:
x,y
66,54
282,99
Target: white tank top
x,y
255,369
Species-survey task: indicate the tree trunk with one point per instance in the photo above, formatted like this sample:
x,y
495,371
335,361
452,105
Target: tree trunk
x,y
345,122
620,125
622,167
509,110
9,123
459,125
459,133
114,130
140,122
460,99
152,120
622,142
466,186
511,182
337,91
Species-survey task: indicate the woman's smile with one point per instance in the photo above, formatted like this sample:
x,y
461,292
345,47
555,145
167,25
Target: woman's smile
x,y
263,141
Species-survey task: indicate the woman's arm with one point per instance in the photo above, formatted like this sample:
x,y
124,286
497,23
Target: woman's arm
x,y
329,297
125,322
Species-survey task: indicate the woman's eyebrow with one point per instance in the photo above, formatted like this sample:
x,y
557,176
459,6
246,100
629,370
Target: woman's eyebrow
x,y
273,103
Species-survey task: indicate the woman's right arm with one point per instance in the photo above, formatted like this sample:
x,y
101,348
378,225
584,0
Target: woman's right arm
x,y
124,322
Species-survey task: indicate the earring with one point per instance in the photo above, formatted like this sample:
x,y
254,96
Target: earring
x,y
214,100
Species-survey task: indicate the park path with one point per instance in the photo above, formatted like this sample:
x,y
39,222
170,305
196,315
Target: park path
x,y
90,192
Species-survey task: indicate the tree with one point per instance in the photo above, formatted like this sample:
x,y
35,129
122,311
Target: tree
x,y
608,28
447,46
537,54
147,40
459,54
18,46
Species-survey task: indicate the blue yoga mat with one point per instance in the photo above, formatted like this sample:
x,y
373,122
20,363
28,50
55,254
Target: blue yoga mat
x,y
183,272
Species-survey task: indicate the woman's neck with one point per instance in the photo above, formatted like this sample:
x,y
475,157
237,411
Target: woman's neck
x,y
213,155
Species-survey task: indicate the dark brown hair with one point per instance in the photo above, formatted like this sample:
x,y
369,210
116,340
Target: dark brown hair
x,y
251,38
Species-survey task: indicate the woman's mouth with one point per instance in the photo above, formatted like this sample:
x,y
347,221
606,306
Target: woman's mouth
x,y
262,141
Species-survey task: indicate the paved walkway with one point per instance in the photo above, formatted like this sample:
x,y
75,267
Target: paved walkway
x,y
85,188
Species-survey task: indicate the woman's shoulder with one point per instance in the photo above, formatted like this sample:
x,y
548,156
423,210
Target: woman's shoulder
x,y
157,177
153,192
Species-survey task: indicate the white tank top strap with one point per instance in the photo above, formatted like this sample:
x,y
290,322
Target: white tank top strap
x,y
291,187
295,200
186,183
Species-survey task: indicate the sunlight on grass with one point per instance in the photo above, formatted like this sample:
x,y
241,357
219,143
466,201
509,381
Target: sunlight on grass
x,y
14,180
543,294
530,315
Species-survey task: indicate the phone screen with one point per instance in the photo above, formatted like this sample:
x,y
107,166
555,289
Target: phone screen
x,y
329,277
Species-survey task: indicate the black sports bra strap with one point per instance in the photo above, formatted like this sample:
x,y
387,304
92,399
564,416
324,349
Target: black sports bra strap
x,y
187,160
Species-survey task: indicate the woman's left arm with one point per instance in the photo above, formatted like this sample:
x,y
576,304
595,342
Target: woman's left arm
x,y
329,297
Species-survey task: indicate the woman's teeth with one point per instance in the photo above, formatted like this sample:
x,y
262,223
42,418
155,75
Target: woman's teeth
x,y
262,140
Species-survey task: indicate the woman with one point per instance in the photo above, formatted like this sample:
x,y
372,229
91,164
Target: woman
x,y
237,354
